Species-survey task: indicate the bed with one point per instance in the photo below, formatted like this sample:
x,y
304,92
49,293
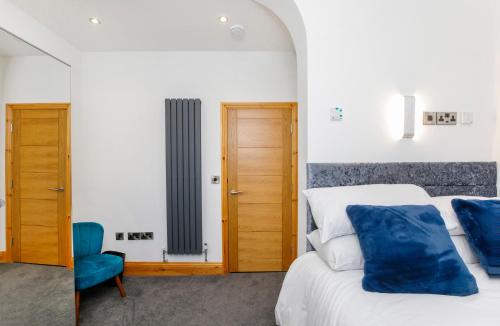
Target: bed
x,y
314,295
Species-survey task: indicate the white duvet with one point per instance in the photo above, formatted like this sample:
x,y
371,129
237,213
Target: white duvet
x,y
314,295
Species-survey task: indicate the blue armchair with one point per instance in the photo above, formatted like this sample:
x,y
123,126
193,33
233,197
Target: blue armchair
x,y
91,266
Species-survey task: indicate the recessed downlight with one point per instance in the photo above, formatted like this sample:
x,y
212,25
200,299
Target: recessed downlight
x,y
223,19
94,21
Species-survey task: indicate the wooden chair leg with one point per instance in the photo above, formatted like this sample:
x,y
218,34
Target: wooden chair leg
x,y
120,286
77,307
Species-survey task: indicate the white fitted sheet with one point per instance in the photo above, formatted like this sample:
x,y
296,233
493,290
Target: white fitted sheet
x,y
314,295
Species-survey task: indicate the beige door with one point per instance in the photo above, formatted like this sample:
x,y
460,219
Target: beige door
x,y
39,158
259,153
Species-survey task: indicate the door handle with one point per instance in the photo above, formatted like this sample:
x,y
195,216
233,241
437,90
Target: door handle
x,y
56,189
235,192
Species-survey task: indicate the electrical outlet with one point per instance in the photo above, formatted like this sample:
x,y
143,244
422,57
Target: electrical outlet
x,y
119,235
446,118
134,236
146,235
429,118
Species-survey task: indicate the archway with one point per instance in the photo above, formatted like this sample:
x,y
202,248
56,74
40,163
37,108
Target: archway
x,y
288,12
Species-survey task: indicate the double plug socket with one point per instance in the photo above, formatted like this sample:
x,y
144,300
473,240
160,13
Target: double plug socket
x,y
135,236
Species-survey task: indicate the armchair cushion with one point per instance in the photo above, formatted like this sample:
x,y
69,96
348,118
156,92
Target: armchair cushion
x,y
95,269
87,239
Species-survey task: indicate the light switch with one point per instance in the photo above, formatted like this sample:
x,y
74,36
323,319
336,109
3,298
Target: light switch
x,y
429,118
336,114
467,118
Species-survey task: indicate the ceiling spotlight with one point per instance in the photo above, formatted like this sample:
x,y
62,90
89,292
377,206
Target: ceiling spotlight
x,y
223,19
94,20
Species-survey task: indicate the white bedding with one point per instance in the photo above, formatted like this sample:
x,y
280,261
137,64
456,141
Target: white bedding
x,y
314,295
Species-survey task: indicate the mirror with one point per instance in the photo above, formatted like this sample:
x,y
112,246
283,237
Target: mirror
x,y
37,286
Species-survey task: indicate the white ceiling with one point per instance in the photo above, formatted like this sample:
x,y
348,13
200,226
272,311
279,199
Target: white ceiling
x,y
11,46
160,25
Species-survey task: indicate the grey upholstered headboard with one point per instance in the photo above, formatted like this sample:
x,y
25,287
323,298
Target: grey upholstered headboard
x,y
438,179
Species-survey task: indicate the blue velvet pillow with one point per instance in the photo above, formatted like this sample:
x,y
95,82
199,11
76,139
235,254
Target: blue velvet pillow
x,y
480,220
407,249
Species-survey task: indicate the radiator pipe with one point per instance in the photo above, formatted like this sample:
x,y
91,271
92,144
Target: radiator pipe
x,y
164,253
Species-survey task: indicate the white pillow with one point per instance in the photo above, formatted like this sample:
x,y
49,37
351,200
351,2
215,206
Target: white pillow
x,y
328,205
341,254
464,249
344,253
443,204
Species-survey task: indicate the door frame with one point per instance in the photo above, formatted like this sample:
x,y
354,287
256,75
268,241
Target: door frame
x,y
225,106
9,110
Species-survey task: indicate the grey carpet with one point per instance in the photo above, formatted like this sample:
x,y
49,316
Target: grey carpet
x,y
36,295
235,299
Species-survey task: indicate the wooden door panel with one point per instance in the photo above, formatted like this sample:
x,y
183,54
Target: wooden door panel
x,y
260,161
259,251
39,159
256,113
36,185
260,217
41,212
260,133
259,169
39,204
260,189
40,114
40,245
40,132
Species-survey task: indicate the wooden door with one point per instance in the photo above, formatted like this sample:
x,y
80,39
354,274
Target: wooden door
x,y
259,164
38,180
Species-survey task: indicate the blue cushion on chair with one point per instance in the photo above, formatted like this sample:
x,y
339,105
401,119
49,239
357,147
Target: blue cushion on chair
x,y
481,222
407,249
87,239
95,269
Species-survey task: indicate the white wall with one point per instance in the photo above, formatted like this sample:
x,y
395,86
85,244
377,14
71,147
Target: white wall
x,y
36,79
28,79
2,148
121,147
362,53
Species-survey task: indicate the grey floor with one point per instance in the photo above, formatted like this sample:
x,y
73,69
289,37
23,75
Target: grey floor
x,y
236,299
36,295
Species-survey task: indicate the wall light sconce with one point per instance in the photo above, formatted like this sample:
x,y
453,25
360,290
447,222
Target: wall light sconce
x,y
409,117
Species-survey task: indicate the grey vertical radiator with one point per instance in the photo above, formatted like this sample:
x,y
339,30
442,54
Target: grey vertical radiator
x,y
183,164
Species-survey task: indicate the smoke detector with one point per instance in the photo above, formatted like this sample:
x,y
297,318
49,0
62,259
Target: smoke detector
x,y
237,32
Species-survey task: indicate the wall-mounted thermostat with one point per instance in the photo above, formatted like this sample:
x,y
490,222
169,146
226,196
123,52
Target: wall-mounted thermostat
x,y
336,114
